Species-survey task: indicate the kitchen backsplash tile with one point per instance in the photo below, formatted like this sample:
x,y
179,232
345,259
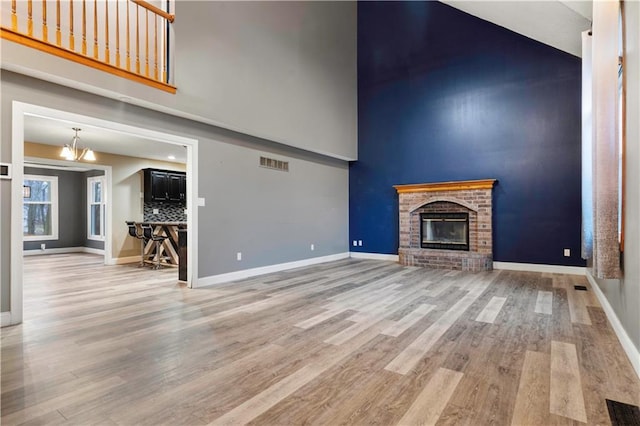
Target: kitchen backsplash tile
x,y
167,212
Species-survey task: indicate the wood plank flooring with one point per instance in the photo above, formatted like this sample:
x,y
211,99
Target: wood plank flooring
x,y
347,342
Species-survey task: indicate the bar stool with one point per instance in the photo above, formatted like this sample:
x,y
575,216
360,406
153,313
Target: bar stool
x,y
133,231
147,231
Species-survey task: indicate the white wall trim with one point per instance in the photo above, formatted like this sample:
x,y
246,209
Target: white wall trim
x,y
62,250
53,204
58,250
5,319
248,273
535,267
17,158
34,162
105,199
374,256
92,250
510,266
632,352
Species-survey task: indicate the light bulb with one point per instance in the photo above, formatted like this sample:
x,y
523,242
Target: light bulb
x,y
89,155
66,152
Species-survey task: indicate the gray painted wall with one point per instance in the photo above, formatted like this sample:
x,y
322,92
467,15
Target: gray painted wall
x,y
270,216
72,210
624,294
283,71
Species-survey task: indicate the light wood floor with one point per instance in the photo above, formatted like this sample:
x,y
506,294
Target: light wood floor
x,y
348,342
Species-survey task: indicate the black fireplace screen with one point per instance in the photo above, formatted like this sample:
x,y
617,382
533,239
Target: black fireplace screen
x,y
449,231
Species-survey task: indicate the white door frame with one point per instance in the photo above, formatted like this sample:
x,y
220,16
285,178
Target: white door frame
x,y
19,110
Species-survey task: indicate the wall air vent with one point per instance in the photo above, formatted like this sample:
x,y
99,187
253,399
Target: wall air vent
x,y
271,163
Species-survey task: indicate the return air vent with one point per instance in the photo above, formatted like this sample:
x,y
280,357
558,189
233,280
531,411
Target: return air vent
x,y
271,163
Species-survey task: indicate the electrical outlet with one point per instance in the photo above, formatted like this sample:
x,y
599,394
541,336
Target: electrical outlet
x,y
156,211
355,243
185,212
360,243
567,252
313,247
43,246
239,256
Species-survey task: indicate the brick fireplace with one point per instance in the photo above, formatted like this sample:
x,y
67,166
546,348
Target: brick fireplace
x,y
472,199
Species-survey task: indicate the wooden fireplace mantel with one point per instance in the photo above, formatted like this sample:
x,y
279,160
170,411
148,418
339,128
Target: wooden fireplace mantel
x,y
461,185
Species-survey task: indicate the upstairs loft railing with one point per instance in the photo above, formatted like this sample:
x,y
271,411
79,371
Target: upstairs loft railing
x,y
128,38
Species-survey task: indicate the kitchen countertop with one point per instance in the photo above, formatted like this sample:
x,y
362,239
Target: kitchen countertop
x,y
183,224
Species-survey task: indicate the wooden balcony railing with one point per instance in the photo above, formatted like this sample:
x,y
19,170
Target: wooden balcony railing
x,y
128,38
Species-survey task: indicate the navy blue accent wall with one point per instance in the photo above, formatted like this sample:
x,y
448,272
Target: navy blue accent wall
x,y
445,96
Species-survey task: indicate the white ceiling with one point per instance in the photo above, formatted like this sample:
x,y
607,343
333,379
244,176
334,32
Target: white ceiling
x,y
54,132
556,23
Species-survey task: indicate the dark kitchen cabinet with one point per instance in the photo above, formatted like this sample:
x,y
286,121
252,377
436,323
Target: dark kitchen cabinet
x,y
183,187
174,194
165,186
156,185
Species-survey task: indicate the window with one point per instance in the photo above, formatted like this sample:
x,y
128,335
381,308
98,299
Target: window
x,y
96,208
40,210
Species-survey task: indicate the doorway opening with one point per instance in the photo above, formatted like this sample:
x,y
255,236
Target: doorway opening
x,y
106,223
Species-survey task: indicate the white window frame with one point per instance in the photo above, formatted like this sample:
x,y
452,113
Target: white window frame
x,y
103,208
54,208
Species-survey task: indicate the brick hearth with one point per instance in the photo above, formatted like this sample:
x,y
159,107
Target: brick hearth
x,y
473,197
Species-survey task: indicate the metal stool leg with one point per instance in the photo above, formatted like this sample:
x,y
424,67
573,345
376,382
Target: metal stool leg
x,y
148,234
133,231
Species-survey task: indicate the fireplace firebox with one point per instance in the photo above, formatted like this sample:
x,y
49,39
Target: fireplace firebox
x,y
446,231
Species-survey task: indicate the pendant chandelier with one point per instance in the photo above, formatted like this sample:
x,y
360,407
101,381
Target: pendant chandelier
x,y
74,152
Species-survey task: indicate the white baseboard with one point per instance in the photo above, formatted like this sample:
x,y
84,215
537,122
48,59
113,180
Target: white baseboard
x,y
62,250
93,251
5,319
534,267
248,273
123,260
630,349
511,266
374,256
